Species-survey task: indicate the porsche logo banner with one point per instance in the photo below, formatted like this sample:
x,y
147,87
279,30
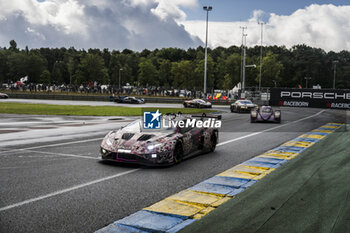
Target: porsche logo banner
x,y
314,98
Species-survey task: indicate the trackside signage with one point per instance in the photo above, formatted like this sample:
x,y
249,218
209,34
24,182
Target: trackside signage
x,y
314,98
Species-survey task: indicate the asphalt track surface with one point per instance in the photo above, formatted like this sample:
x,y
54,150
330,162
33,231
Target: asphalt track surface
x,y
52,181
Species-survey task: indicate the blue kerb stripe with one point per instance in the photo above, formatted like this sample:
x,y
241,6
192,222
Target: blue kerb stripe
x,y
306,139
147,220
181,226
289,149
212,188
267,160
235,192
334,124
328,128
228,181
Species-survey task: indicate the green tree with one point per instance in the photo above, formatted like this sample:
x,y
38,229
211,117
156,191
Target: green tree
x,y
232,69
199,74
183,75
165,75
147,72
272,68
45,77
34,67
13,46
91,68
17,66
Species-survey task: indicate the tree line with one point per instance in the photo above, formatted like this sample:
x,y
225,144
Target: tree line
x,y
175,67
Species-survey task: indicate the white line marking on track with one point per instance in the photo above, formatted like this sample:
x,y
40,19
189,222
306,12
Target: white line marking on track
x,y
66,190
60,154
52,145
266,130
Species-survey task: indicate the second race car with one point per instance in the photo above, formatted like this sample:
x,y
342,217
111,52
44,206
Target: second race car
x,y
265,114
168,145
242,106
129,100
197,103
3,96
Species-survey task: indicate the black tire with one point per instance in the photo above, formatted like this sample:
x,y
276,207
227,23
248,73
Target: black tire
x,y
185,105
178,152
231,108
213,141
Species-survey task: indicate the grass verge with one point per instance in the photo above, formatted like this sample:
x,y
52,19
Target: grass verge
x,y
82,110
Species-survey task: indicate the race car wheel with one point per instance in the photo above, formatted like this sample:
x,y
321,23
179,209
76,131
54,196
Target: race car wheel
x,y
178,152
213,140
185,105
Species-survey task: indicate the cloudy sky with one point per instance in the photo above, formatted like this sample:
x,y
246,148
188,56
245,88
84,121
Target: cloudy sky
x,y
139,24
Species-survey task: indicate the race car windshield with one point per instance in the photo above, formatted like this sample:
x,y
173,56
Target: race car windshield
x,y
266,110
201,101
245,102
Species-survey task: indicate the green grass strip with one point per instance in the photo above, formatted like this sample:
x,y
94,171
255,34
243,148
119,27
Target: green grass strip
x,y
82,110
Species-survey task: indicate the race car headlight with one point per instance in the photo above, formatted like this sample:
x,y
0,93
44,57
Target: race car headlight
x,y
124,151
253,113
277,114
153,146
109,142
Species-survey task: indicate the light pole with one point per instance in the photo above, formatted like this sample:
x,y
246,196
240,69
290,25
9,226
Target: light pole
x,y
335,71
207,9
307,79
120,76
244,65
261,24
243,28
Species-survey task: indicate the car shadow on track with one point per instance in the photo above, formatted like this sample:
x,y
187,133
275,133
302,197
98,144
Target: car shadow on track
x,y
166,166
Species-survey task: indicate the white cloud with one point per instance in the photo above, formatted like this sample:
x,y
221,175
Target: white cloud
x,y
132,24
139,24
322,26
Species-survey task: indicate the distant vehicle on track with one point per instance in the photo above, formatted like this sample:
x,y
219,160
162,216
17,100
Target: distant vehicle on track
x,y
168,145
265,114
3,96
197,103
243,106
129,100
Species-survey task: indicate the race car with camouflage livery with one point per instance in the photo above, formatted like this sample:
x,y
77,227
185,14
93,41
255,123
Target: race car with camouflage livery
x,y
168,145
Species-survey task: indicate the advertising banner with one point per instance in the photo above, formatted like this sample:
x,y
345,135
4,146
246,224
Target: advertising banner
x,y
312,98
